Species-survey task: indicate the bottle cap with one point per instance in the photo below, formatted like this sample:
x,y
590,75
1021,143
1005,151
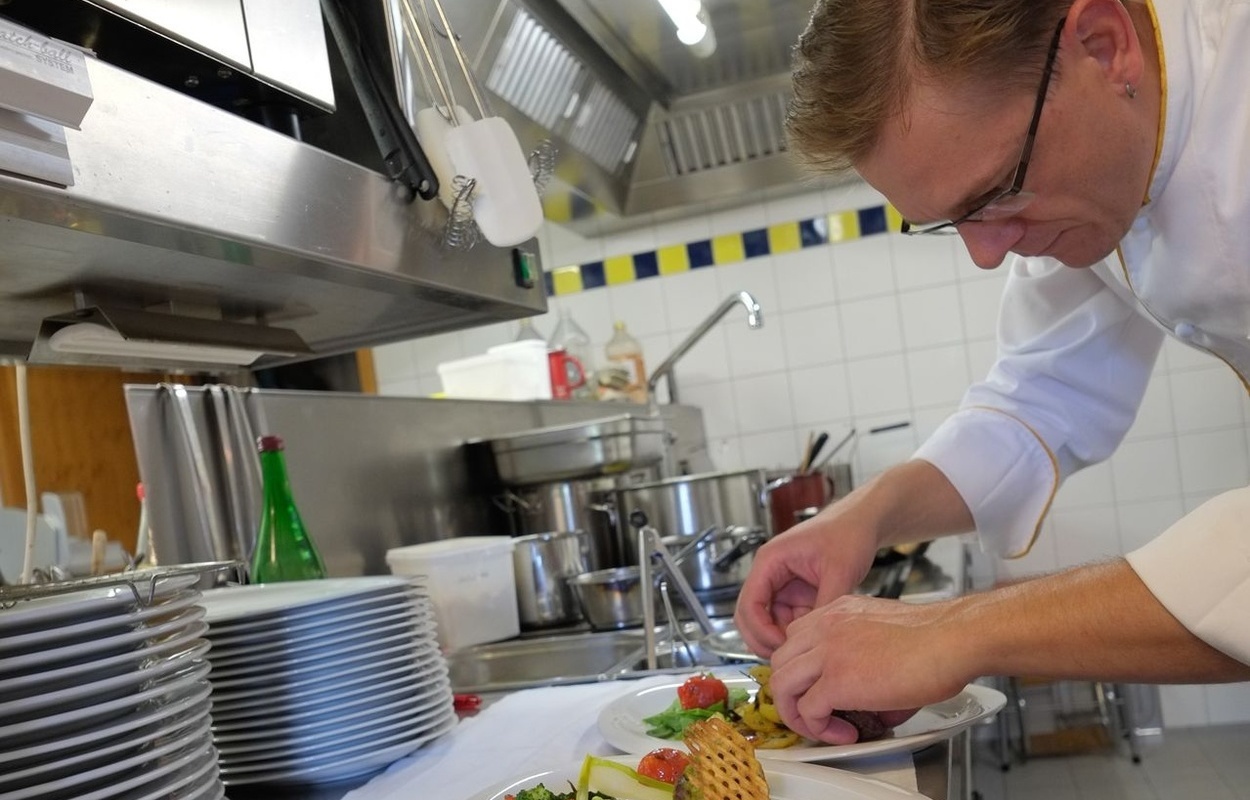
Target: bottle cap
x,y
267,444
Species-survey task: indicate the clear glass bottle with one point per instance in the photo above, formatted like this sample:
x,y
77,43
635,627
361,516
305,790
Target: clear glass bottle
x,y
576,342
284,550
526,330
625,352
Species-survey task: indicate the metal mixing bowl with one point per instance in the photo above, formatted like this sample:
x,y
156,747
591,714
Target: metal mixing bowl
x,y
610,598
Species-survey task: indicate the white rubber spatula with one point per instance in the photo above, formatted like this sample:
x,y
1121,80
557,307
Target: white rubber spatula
x,y
505,204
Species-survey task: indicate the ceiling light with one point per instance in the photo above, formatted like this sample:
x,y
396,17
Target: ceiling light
x,y
691,21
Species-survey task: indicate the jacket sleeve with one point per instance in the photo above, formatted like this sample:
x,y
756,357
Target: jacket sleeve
x,y
1074,359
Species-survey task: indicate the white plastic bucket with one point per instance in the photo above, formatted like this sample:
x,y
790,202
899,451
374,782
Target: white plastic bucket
x,y
471,582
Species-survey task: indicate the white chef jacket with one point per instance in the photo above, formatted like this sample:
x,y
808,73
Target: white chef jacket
x,y
1076,346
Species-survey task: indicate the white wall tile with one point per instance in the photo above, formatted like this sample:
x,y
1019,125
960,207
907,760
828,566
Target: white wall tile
x,y
980,300
1182,356
1212,462
655,348
763,403
561,246
773,450
878,385
931,316
1141,522
1154,416
716,399
690,297
755,276
395,362
796,207
681,231
434,350
1091,486
1146,469
1206,398
754,351
477,340
820,394
863,268
726,453
871,327
641,306
1042,558
1228,703
401,387
938,376
1184,706
1085,535
921,261
805,278
706,362
735,220
811,337
628,242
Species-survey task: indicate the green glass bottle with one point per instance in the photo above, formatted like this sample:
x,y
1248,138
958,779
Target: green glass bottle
x,y
284,550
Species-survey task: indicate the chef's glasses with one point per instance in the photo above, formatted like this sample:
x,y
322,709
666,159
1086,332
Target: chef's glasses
x,y
1002,203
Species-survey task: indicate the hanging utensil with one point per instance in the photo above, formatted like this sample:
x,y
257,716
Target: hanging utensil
x,y
813,450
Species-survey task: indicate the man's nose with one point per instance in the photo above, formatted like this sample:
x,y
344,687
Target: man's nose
x,y
989,243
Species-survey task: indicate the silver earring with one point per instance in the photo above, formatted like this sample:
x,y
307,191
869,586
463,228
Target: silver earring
x,y
1130,90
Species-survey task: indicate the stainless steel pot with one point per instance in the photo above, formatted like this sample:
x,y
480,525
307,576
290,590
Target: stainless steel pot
x,y
722,559
581,505
543,564
687,505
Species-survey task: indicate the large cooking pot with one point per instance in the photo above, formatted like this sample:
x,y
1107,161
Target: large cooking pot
x,y
723,557
684,507
543,564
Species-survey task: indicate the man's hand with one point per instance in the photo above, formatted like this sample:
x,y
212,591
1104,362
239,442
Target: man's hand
x,y
827,556
861,653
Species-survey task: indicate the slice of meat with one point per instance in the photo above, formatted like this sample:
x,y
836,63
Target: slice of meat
x,y
723,765
868,723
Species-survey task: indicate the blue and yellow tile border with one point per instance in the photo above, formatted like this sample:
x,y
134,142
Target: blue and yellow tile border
x,y
729,248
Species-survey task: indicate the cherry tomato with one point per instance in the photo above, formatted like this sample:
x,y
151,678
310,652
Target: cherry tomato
x,y
664,764
702,691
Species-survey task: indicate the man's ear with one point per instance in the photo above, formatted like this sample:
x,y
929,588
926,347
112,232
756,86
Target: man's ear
x,y
1104,32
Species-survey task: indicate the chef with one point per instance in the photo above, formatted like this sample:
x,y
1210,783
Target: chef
x,y
1101,150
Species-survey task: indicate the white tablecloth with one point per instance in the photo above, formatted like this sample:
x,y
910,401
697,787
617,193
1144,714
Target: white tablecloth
x,y
534,730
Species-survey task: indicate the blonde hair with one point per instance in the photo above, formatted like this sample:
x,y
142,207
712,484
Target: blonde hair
x,y
855,63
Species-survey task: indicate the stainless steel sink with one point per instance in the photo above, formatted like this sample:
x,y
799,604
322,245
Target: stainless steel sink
x,y
556,659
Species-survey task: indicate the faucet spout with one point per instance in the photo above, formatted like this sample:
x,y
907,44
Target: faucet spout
x,y
755,319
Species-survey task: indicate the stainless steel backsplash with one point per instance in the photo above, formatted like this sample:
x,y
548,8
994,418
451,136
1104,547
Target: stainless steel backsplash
x,y
368,472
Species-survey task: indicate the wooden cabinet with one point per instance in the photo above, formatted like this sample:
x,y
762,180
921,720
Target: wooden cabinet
x,y
80,442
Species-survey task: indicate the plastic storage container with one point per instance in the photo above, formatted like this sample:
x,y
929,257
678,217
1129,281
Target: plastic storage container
x,y
514,371
471,581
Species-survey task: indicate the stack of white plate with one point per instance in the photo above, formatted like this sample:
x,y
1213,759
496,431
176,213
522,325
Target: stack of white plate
x,y
103,693
321,681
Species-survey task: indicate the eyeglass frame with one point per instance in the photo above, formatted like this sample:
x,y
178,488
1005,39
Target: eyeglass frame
x,y
1017,181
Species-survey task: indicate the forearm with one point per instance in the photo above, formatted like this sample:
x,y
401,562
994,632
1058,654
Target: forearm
x,y
1098,622
911,502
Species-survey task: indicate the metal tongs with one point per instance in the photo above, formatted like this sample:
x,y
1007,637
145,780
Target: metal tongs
x,y
651,544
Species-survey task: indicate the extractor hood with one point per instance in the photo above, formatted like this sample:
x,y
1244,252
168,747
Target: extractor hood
x,y
647,127
186,210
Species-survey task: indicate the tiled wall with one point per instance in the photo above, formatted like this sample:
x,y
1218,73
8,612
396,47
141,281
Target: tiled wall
x,y
870,331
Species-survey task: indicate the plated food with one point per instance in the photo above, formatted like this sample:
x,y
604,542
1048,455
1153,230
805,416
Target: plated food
x,y
622,721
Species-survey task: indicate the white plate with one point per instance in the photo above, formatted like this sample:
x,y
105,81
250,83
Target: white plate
x,y
353,720
84,604
785,782
281,684
186,726
78,719
90,630
89,693
313,646
411,721
339,767
152,782
180,703
302,629
189,779
190,620
273,600
266,643
131,663
621,723
332,661
370,698
178,746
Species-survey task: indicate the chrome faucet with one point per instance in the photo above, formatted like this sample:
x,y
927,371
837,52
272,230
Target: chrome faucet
x,y
755,319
